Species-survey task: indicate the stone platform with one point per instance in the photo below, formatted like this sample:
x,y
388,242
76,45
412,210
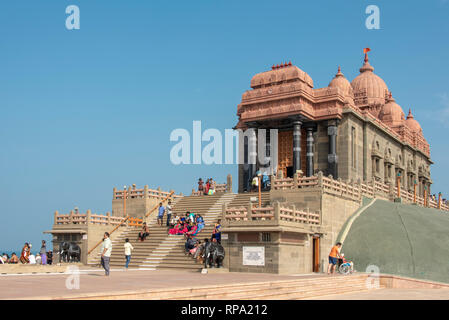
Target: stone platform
x,y
179,284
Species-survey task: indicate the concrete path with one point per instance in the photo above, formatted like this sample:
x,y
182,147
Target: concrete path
x,y
48,286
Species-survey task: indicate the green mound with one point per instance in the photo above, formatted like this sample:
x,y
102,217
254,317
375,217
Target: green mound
x,y
400,239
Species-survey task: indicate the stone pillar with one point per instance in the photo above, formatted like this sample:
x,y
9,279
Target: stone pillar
x,y
309,154
229,183
277,210
145,191
332,158
114,192
296,145
252,153
88,216
249,213
56,217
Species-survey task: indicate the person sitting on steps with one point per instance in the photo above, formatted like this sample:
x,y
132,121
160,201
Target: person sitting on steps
x,y
144,233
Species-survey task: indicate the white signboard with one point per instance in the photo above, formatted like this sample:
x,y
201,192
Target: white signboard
x,y
253,256
224,236
84,236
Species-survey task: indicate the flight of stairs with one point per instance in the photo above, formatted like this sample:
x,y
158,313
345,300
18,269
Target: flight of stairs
x,y
161,250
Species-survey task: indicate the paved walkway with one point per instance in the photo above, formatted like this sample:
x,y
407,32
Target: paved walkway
x,y
53,285
48,286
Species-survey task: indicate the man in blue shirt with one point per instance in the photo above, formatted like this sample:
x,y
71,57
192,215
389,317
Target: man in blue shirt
x,y
160,216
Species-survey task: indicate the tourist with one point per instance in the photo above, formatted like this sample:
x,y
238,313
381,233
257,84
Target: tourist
x,y
206,189
106,249
255,183
216,234
334,255
174,221
192,217
43,253
32,259
168,208
144,233
2,259
160,215
193,230
14,259
199,222
189,244
128,248
200,185
50,257
5,258
265,181
24,256
38,259
212,185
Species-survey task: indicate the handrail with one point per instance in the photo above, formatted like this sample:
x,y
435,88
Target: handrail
x,y
126,219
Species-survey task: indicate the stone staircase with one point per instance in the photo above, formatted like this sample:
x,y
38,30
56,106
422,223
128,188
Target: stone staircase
x,y
161,250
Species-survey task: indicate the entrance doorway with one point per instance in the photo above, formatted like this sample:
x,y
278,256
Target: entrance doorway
x,y
316,254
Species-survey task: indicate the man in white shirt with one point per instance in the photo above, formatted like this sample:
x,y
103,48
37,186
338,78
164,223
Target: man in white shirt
x,y
168,209
106,249
128,248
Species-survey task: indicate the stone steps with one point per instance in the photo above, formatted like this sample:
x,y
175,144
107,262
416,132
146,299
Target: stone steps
x,y
163,251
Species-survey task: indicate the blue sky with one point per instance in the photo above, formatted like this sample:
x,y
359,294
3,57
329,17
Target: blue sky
x,y
85,110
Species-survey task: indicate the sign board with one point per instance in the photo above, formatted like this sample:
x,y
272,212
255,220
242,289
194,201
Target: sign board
x,y
84,236
253,256
254,199
224,236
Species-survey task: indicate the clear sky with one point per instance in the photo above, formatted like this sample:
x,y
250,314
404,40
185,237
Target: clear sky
x,y
85,110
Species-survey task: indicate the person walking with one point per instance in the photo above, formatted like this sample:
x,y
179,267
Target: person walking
x,y
160,215
168,208
334,255
128,248
106,249
43,252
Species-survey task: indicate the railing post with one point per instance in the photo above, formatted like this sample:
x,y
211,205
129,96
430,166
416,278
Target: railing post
x,y
145,192
108,215
295,180
71,217
373,185
56,217
249,213
320,179
229,183
114,193
277,211
224,207
308,215
340,186
159,196
293,212
88,216
439,200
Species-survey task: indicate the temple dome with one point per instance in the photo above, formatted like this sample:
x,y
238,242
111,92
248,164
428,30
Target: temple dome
x,y
280,74
375,88
339,81
391,113
412,123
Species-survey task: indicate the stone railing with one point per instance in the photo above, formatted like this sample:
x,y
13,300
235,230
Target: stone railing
x,y
351,189
93,219
133,193
276,215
